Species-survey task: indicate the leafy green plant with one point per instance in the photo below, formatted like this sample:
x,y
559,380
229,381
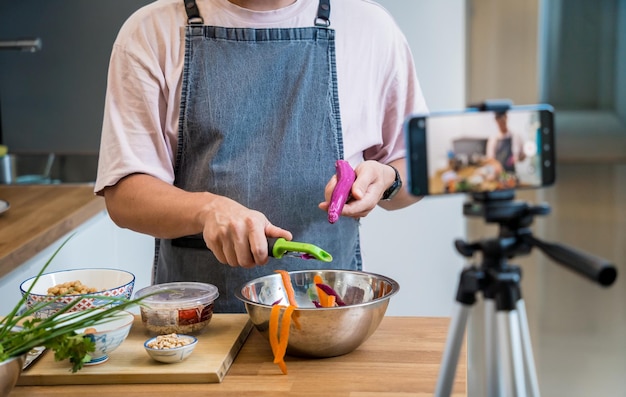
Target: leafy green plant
x,y
21,332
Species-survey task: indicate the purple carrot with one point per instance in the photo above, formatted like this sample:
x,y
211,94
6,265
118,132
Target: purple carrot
x,y
330,291
341,193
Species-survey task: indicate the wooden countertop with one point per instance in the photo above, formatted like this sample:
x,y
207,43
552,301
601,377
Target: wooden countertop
x,y
40,215
401,358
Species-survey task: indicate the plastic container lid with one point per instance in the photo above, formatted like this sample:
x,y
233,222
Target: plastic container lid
x,y
180,294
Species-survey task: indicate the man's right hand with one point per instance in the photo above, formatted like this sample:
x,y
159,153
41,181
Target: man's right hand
x,y
236,234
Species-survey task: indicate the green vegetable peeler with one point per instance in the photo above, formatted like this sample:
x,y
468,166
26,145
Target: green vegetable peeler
x,y
277,248
281,247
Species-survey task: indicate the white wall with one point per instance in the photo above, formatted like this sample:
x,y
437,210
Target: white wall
x,y
414,246
436,31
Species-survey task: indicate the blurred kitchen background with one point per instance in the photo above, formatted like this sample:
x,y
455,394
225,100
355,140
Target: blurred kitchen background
x,y
569,54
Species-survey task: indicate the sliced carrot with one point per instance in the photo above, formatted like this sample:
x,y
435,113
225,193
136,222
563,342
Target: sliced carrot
x,y
381,289
331,292
294,318
291,295
288,287
326,300
323,296
279,342
274,328
279,357
283,367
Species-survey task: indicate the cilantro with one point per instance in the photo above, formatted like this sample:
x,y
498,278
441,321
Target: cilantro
x,y
20,333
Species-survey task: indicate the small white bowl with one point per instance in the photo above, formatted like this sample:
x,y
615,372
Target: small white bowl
x,y
110,334
172,355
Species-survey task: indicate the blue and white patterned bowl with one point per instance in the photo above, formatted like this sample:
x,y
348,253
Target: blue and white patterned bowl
x,y
172,355
109,334
108,282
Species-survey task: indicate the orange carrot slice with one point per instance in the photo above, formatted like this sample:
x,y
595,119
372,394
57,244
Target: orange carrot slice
x,y
323,296
291,295
279,356
274,328
381,290
288,287
279,338
326,299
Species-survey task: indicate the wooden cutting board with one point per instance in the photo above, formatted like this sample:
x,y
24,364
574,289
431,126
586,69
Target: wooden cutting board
x,y
217,348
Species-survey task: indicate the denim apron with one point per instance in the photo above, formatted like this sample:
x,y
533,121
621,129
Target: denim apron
x,y
260,124
504,154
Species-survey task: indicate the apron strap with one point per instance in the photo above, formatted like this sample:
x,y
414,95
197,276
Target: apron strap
x,y
322,19
193,13
323,14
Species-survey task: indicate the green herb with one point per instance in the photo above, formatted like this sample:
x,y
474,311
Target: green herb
x,y
21,333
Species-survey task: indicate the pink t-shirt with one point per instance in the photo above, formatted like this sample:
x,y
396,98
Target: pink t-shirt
x,y
377,84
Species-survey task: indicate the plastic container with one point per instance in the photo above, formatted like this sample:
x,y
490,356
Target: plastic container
x,y
182,308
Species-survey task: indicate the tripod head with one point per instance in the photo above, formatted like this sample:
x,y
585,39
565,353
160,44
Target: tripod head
x,y
515,237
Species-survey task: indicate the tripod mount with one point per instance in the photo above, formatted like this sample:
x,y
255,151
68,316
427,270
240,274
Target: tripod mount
x,y
510,364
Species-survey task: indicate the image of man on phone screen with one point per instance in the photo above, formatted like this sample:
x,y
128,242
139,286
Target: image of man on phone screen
x,y
507,146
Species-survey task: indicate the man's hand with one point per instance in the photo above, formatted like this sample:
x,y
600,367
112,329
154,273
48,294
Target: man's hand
x,y
372,179
238,235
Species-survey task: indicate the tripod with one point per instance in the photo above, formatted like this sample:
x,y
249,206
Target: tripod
x,y
510,367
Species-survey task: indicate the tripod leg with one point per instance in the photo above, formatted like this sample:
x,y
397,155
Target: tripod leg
x,y
511,356
529,361
491,359
452,351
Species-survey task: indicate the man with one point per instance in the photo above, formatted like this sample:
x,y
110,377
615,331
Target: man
x,y
224,120
506,147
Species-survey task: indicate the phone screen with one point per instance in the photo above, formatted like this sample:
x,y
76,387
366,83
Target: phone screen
x,y
481,151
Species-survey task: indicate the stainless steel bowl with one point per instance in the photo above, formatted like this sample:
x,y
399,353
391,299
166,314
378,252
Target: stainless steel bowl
x,y
323,332
10,371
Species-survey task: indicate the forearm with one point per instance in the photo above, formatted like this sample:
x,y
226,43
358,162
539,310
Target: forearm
x,y
148,205
235,234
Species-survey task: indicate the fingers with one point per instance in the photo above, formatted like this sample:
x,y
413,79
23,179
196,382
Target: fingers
x,y
241,245
238,236
259,246
366,191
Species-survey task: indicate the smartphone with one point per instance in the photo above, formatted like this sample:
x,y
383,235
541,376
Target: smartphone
x,y
475,150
